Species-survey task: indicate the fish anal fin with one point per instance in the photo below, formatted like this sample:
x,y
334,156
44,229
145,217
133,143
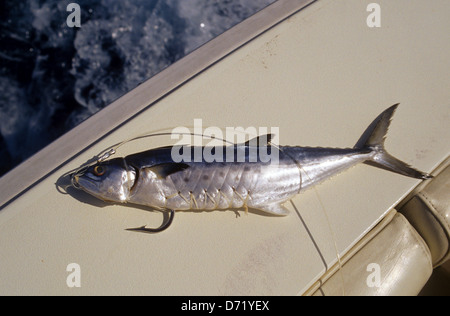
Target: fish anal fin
x,y
164,170
275,209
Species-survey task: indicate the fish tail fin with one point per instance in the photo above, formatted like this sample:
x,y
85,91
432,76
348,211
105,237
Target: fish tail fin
x,y
373,139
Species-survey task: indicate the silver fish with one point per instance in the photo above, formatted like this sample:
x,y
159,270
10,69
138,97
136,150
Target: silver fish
x,y
152,178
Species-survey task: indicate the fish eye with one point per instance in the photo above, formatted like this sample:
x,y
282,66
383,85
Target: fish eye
x,y
99,170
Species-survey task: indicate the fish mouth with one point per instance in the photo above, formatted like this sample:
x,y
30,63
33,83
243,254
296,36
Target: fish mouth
x,y
81,182
74,179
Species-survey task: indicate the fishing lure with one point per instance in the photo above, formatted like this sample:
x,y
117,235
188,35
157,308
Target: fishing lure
x,y
153,178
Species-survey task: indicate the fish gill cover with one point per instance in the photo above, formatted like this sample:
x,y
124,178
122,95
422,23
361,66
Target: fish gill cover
x,y
53,76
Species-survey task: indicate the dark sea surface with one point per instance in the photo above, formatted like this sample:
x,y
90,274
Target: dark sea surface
x,y
53,76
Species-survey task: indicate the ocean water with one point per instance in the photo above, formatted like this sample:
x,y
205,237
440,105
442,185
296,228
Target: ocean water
x,y
52,76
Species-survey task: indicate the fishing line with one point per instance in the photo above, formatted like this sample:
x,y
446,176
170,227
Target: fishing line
x,y
322,206
105,154
112,150
333,235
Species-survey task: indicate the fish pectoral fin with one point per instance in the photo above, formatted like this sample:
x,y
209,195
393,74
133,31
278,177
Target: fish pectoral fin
x,y
275,209
262,140
164,170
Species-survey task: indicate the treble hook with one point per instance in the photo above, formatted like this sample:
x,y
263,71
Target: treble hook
x,y
164,226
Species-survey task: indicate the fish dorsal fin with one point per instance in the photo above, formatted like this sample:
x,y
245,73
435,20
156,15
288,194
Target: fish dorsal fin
x,y
262,140
275,209
164,170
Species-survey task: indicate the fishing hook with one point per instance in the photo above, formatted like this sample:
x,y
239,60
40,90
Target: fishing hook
x,y
163,227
